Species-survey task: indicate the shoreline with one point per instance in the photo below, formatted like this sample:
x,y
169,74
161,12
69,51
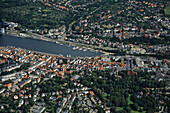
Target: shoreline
x,y
44,53
67,43
4,47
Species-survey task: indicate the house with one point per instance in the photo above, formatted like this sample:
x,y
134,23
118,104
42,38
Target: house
x,y
43,95
107,111
29,95
38,80
59,96
15,96
91,93
8,85
21,95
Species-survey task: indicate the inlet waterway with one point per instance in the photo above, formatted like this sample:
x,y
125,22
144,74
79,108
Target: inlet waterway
x,y
45,46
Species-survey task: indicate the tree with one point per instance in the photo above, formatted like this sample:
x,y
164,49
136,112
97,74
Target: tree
x,y
150,111
134,107
127,109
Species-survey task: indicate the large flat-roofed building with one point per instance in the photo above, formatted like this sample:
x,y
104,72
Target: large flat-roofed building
x,y
38,108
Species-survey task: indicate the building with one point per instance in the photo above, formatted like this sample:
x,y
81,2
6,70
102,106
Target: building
x,y
2,90
24,83
21,102
38,108
2,30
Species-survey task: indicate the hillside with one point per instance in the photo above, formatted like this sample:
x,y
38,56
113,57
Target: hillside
x,y
33,14
167,10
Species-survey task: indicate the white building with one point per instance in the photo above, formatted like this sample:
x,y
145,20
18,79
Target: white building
x,y
2,30
21,102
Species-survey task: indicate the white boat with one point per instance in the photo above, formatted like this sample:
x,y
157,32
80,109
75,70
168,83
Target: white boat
x,y
85,50
60,55
80,49
74,48
68,55
77,47
92,50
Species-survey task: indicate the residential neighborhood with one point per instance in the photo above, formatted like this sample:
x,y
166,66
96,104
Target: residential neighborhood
x,y
24,83
85,56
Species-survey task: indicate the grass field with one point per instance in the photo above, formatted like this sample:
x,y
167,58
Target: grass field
x,y
129,101
167,10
